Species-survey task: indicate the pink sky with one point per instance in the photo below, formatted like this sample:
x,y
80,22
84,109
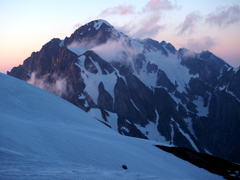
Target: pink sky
x,y
197,25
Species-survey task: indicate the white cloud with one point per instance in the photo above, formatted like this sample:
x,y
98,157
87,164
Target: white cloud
x,y
159,5
189,23
58,88
224,16
121,10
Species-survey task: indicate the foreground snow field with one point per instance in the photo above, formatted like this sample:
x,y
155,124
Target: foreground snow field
x,y
45,137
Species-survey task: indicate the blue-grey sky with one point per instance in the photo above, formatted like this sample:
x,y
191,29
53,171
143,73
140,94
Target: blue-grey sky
x,y
26,25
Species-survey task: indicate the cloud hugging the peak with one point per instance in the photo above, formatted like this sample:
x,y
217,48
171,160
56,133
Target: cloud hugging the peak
x,y
224,16
58,88
120,10
189,23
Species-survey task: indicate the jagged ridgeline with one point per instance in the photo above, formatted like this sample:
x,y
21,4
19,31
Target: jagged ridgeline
x,y
143,88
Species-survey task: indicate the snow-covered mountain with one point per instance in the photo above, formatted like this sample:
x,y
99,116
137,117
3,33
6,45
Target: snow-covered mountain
x,y
45,137
143,88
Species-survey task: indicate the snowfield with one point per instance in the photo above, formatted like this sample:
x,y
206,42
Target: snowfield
x,y
45,137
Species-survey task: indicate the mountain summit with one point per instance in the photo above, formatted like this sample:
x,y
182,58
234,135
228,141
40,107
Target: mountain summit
x,y
143,88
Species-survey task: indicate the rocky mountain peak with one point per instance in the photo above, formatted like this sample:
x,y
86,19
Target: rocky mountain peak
x,y
95,32
145,88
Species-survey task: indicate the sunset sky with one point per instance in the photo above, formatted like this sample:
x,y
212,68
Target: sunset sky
x,y
214,25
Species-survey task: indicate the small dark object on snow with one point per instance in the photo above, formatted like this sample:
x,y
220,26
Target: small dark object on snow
x,y
124,166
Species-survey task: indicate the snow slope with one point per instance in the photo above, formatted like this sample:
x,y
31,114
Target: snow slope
x,y
44,137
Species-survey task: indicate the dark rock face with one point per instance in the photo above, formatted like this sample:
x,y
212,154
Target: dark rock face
x,y
195,105
224,115
88,33
164,81
123,105
19,72
179,137
171,120
106,68
137,59
171,48
151,67
234,85
132,130
155,44
89,66
142,97
198,87
105,100
205,70
219,66
165,107
52,59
